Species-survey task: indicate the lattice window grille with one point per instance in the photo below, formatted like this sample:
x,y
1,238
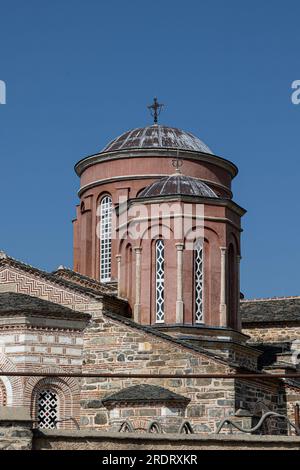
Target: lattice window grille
x,y
198,269
160,281
47,409
105,239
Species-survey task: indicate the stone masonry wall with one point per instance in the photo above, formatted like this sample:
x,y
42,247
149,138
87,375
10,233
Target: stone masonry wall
x,y
95,440
260,397
265,333
111,346
291,397
15,428
15,436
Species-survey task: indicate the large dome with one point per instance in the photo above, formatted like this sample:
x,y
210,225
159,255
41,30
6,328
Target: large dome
x,y
178,184
157,136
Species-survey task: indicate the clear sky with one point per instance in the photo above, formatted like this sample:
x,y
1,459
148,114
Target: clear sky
x,y
78,73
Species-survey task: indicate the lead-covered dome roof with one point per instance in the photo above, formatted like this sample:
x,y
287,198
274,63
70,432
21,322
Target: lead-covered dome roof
x,y
157,136
178,184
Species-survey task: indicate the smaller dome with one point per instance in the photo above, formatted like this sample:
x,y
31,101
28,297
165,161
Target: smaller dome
x,y
178,184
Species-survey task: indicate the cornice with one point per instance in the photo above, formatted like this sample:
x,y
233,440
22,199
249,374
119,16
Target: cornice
x,y
192,199
27,327
115,179
152,152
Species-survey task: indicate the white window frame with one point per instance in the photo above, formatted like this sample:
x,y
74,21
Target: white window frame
x,y
199,283
105,238
160,281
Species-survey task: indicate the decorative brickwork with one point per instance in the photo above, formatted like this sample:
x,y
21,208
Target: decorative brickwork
x,y
3,398
13,385
17,281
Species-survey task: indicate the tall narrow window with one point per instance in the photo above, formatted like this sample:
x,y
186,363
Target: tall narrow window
x,y
232,288
198,280
128,272
47,413
160,281
105,239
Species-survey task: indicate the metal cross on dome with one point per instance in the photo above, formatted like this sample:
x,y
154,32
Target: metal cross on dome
x,y
155,109
177,162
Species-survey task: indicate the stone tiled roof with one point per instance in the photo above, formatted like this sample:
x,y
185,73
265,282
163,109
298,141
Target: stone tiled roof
x,y
178,184
85,281
95,292
144,393
277,310
15,303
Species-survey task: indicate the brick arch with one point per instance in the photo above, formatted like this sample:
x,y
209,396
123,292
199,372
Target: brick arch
x,y
13,385
155,231
67,389
140,424
3,397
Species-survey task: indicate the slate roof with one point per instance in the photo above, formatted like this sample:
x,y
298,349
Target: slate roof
x,y
96,293
85,281
144,393
157,136
277,310
178,184
12,302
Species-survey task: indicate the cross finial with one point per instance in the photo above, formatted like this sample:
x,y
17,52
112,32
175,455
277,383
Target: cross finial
x,y
177,163
155,109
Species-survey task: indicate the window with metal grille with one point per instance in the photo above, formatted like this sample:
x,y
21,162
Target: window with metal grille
x,y
160,281
198,282
105,238
47,415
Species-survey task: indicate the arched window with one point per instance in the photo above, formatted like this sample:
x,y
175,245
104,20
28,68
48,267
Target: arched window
x,y
47,412
105,238
232,287
160,280
198,282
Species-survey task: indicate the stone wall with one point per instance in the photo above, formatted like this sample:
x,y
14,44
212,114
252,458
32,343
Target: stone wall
x,y
15,429
259,397
266,333
91,440
169,418
42,347
112,346
292,396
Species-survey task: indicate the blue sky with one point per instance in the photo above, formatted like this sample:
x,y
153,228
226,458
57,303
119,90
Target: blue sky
x,y
78,73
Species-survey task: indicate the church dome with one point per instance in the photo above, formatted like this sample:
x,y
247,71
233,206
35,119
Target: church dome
x,y
157,136
178,184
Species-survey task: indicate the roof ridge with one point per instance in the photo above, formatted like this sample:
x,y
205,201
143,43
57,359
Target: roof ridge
x,y
61,271
266,299
144,392
8,260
